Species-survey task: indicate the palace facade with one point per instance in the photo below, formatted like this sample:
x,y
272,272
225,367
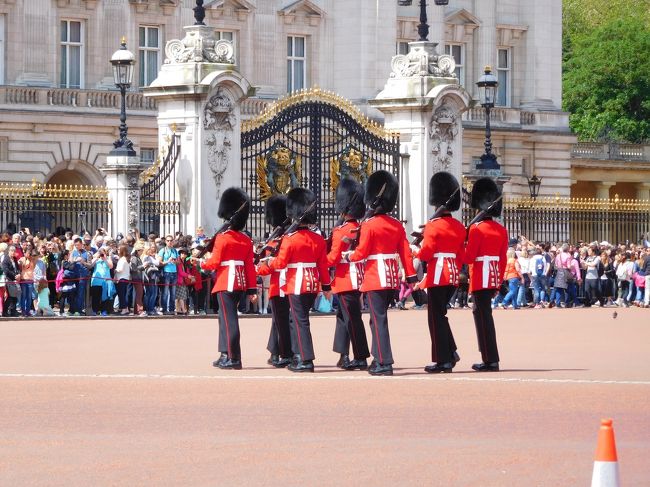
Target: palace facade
x,y
59,107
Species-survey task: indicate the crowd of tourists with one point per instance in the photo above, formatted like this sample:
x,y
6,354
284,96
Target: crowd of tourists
x,y
71,274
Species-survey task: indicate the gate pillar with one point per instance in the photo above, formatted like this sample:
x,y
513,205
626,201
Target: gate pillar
x,y
122,174
199,91
423,101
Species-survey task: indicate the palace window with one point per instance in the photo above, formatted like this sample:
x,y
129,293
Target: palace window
x,y
504,77
148,53
457,51
402,47
148,156
296,63
72,55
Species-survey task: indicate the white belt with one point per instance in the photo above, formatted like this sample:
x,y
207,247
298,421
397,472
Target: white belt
x,y
381,265
487,259
232,267
282,281
354,276
440,261
300,267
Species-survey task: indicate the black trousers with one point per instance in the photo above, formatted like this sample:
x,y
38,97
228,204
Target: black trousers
x,y
97,305
301,342
443,345
280,336
229,323
485,332
378,302
349,326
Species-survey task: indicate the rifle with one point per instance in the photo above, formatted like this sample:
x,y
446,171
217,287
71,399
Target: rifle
x,y
370,212
290,229
419,236
275,235
224,228
481,215
340,220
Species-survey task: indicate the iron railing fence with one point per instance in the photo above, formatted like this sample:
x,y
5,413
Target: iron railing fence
x,y
47,207
555,219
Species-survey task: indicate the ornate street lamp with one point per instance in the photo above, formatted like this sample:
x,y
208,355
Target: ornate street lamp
x,y
123,61
487,89
423,27
533,185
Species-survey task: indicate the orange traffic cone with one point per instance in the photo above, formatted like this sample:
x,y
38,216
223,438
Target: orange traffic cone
x,y
606,462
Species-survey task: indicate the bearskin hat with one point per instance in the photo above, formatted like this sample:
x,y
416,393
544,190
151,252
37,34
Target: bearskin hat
x,y
231,200
349,198
484,192
276,210
441,186
373,186
298,200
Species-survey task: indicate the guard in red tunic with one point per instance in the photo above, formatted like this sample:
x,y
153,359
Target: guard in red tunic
x,y
348,277
232,259
485,253
442,249
303,253
280,336
382,241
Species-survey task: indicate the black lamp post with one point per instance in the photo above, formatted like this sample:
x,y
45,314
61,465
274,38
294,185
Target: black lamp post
x,y
199,13
123,61
487,89
533,185
423,27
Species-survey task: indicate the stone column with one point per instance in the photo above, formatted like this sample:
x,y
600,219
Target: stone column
x,y
200,91
122,181
486,38
602,189
424,103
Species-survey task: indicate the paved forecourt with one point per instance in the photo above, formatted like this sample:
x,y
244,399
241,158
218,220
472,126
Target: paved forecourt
x,y
136,401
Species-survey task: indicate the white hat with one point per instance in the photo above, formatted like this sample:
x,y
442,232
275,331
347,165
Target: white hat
x,y
605,243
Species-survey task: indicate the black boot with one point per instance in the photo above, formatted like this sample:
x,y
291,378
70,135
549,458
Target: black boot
x,y
223,358
300,365
357,364
439,368
343,362
273,360
282,362
381,369
483,367
231,363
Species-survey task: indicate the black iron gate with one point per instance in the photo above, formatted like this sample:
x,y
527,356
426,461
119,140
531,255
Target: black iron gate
x,y
311,139
159,205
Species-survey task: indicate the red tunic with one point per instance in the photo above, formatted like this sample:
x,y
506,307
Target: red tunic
x,y
304,254
485,253
348,276
232,259
442,249
278,277
382,240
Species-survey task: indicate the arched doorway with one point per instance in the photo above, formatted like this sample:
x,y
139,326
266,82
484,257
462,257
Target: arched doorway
x,y
69,177
76,172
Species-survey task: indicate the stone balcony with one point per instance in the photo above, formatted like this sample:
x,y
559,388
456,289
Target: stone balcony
x,y
611,152
55,99
515,118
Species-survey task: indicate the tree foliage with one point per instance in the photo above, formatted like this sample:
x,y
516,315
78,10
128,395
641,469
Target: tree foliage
x,y
607,69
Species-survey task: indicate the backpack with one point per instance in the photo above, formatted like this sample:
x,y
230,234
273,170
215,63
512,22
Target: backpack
x,y
540,264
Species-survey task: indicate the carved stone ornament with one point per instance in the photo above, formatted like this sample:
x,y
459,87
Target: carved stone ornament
x,y
196,47
219,121
442,132
418,62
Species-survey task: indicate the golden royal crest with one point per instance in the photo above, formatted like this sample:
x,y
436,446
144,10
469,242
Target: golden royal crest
x,y
278,171
350,164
